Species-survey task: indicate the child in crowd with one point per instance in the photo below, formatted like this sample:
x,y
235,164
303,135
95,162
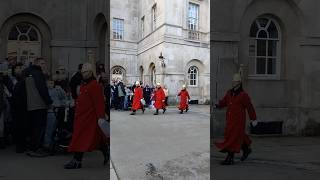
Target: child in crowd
x,y
55,112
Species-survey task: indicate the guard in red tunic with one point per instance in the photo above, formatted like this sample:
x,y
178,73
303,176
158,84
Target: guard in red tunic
x,y
159,98
235,138
184,99
90,107
137,97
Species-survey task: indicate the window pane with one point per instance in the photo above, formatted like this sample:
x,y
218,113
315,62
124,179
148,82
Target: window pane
x,y
23,28
272,29
263,22
263,34
261,65
33,35
272,48
271,66
261,47
13,35
193,16
118,28
23,38
253,30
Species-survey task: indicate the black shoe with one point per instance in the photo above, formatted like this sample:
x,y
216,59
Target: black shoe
x,y
133,113
164,110
143,110
187,110
155,113
246,152
181,112
73,164
229,160
106,152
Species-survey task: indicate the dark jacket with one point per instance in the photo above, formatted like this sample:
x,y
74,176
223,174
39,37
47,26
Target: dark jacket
x,y
19,98
40,82
75,81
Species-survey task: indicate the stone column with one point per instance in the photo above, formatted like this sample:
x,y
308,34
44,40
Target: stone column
x,y
92,60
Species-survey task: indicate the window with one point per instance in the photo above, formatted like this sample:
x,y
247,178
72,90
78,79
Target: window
x,y
24,44
193,17
142,27
118,28
193,76
141,73
154,17
118,73
264,47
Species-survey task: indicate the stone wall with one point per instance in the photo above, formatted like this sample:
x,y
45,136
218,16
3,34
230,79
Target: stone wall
x,y
291,98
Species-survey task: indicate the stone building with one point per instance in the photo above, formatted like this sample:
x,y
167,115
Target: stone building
x,y
162,41
65,33
276,44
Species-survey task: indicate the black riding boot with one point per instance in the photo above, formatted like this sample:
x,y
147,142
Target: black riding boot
x,y
105,151
133,112
229,159
75,163
246,151
164,110
157,112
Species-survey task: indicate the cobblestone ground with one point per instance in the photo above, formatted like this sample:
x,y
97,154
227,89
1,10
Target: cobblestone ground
x,y
276,158
168,146
21,167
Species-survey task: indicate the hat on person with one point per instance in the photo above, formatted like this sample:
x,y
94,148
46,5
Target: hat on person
x,y
184,86
87,67
137,83
237,77
158,84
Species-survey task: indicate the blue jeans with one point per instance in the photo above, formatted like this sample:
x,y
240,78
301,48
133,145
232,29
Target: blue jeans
x,y
50,130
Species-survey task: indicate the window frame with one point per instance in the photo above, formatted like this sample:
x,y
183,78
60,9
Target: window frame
x,y
197,18
196,75
142,27
154,17
116,28
254,57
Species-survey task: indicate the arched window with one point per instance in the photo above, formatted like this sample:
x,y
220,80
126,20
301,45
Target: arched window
x,y
264,47
193,76
141,73
118,73
153,75
24,43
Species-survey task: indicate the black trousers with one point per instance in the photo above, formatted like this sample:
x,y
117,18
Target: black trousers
x,y
21,127
38,122
120,102
60,114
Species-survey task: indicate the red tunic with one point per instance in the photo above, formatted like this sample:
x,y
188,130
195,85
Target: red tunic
x,y
235,135
138,95
87,135
184,97
159,98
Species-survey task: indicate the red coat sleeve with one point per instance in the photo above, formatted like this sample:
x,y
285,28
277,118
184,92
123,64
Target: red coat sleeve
x,y
163,96
248,105
98,100
223,102
140,93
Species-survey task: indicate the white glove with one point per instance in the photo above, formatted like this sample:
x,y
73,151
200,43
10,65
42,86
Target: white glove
x,y
254,123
